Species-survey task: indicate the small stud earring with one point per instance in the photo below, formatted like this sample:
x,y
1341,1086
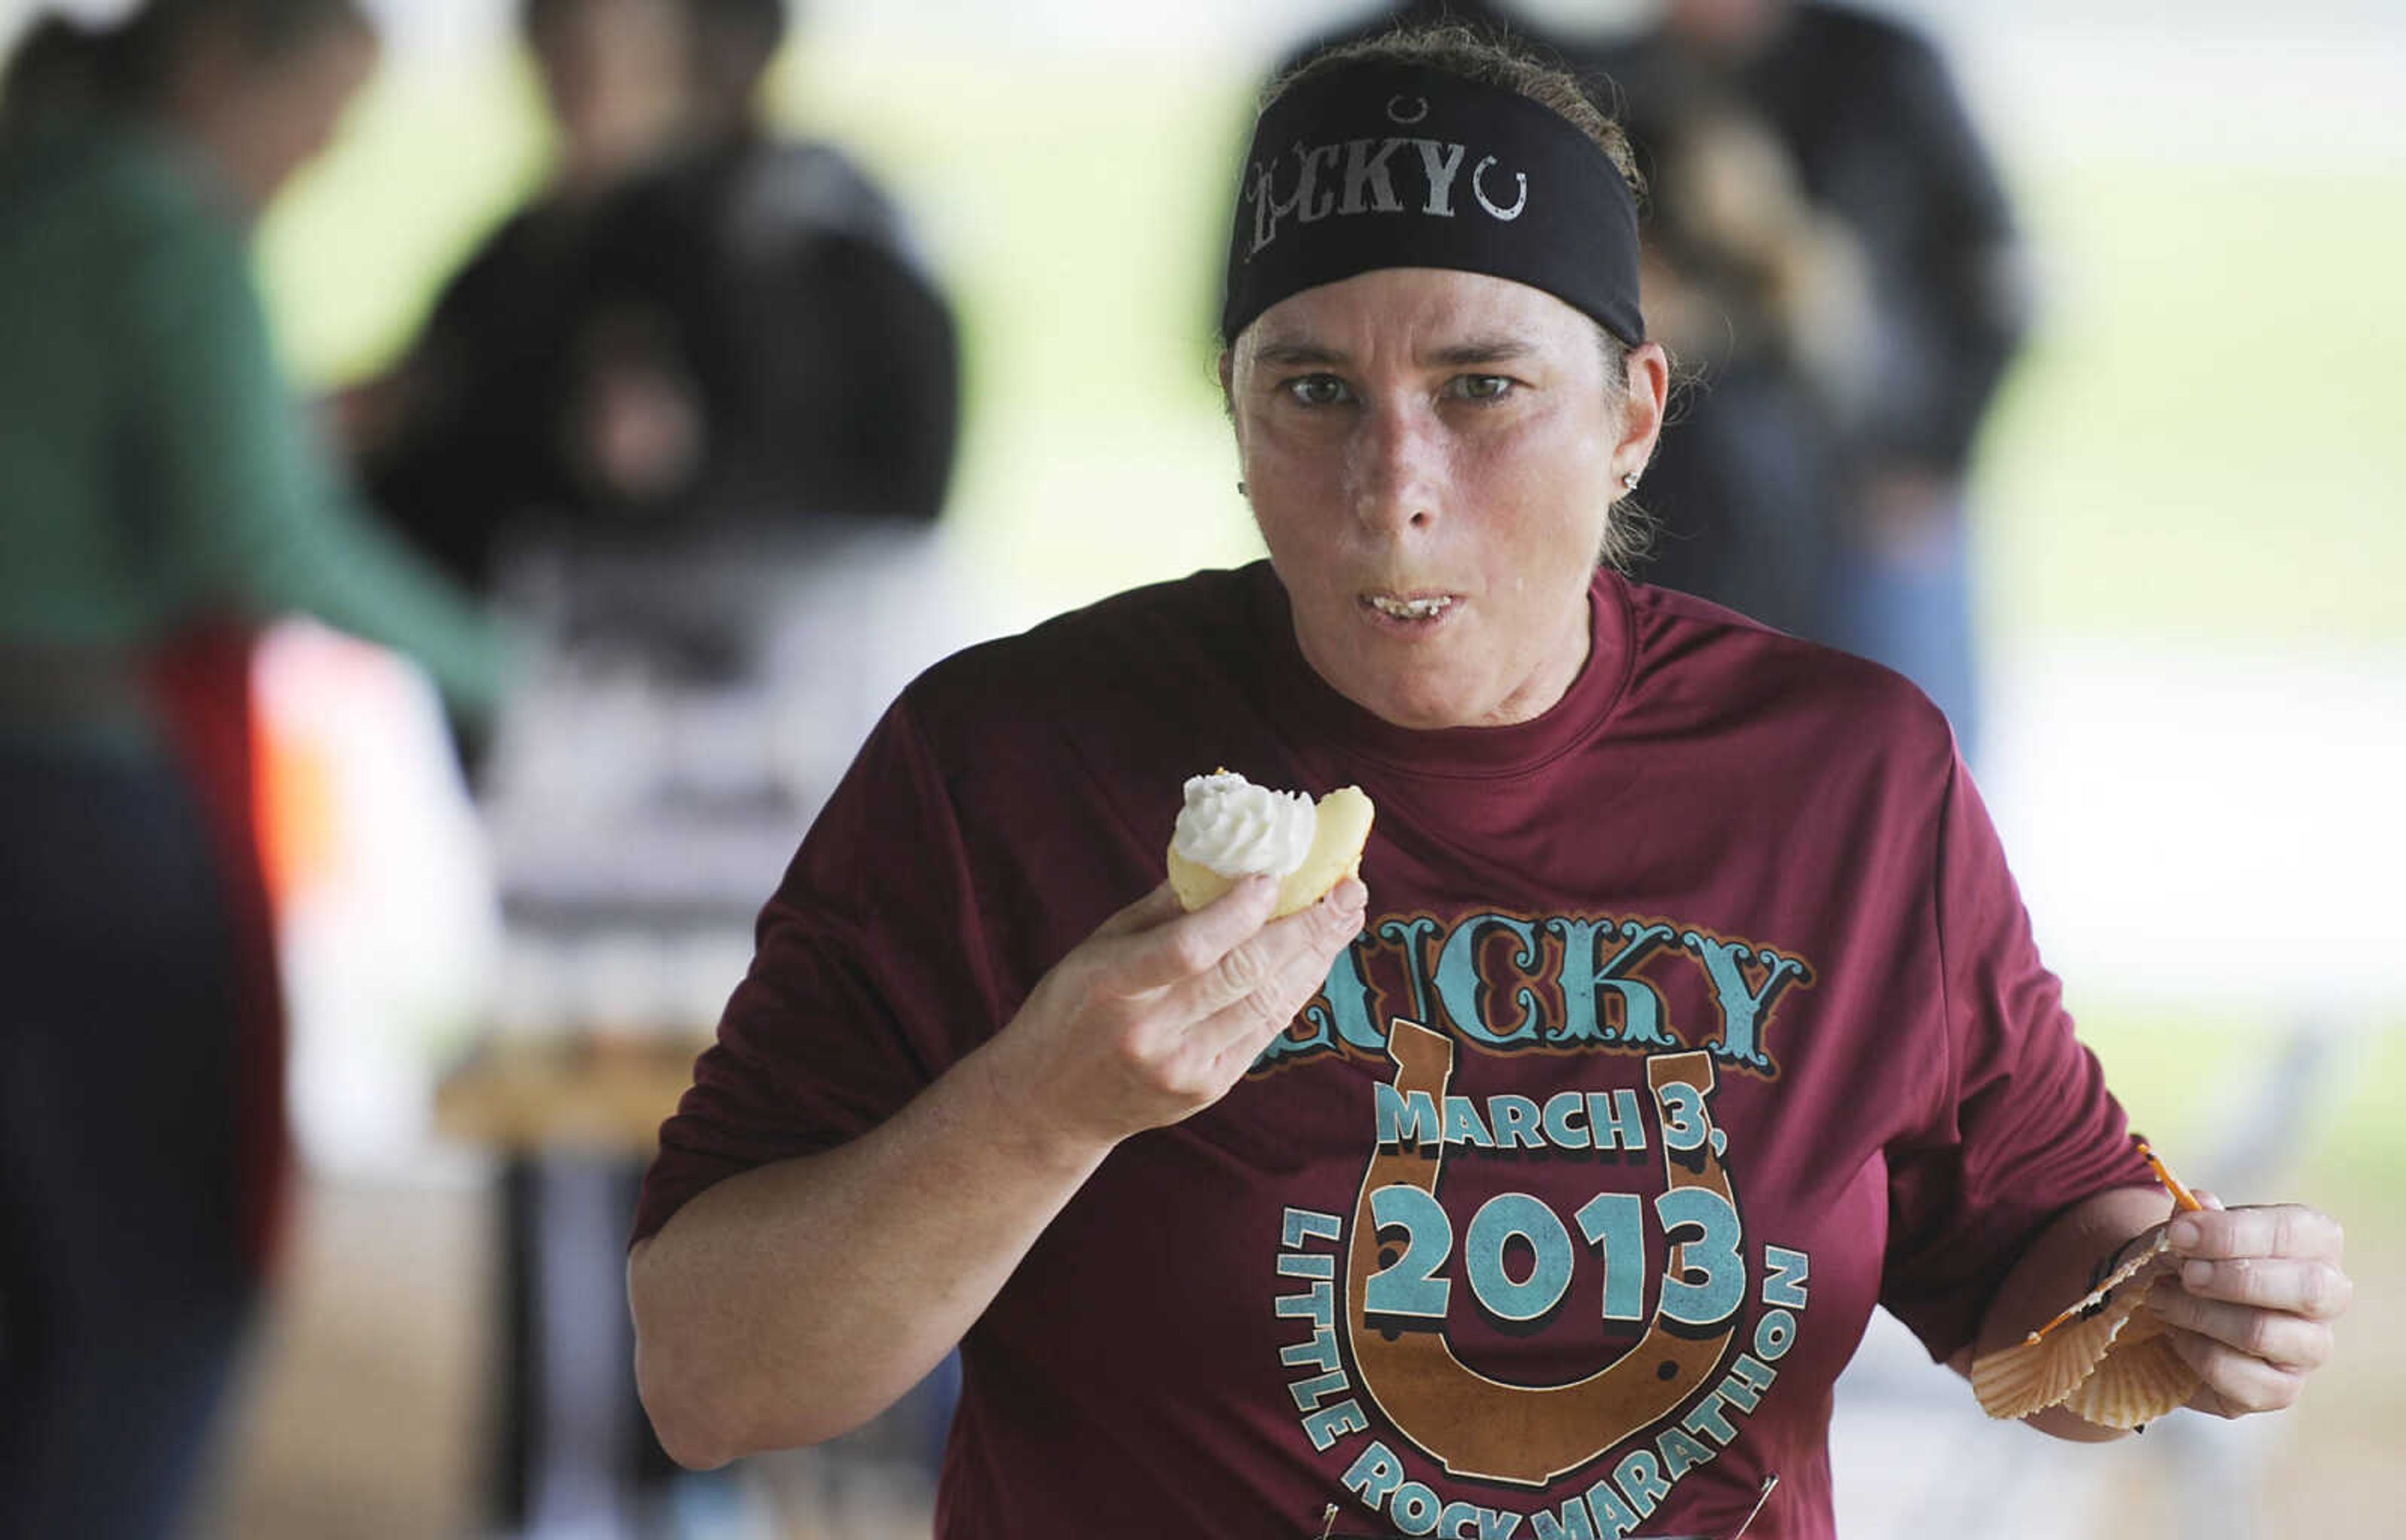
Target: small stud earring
x,y
1629,480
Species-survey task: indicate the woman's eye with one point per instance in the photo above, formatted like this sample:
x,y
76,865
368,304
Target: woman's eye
x,y
1484,387
1316,389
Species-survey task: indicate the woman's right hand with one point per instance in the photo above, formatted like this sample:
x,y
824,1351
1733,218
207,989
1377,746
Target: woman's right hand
x,y
1159,1012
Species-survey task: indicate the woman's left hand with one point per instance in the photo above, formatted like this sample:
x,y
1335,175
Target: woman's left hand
x,y
2252,1303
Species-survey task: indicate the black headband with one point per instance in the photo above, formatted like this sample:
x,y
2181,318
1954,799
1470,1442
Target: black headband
x,y
1381,165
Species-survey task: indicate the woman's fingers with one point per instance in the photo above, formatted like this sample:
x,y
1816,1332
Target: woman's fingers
x,y
2281,1257
1154,944
1159,1011
1264,982
2235,1383
1156,908
1230,950
2269,1230
1283,953
2282,1339
2251,1305
2310,1288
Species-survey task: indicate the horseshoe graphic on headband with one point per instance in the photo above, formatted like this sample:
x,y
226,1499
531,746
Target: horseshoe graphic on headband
x,y
1508,215
1528,1434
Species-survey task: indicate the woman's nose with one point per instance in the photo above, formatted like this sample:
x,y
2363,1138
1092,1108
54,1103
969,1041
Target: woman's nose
x,y
1395,470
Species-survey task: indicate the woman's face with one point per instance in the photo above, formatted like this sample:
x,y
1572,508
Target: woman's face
x,y
260,118
616,75
1432,456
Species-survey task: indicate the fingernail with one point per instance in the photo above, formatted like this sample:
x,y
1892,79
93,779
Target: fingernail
x,y
2196,1275
2185,1233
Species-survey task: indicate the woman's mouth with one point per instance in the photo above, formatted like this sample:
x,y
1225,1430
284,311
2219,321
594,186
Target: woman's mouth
x,y
1409,607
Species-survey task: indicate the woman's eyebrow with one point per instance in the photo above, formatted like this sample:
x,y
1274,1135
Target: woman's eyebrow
x,y
1460,355
1290,355
1478,350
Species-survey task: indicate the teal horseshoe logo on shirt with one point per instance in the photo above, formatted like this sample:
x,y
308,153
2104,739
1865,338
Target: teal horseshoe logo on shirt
x,y
1480,1427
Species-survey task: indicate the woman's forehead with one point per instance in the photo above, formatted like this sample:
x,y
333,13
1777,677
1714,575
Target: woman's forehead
x,y
1422,309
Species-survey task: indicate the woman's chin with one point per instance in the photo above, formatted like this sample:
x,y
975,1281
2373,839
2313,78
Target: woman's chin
x,y
1420,703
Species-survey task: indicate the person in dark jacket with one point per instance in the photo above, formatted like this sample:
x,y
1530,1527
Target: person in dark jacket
x,y
1830,226
464,432
727,325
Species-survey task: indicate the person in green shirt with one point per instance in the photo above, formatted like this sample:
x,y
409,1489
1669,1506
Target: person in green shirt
x,y
154,463
162,494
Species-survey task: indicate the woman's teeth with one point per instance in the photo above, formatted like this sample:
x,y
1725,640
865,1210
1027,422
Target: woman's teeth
x,y
1412,609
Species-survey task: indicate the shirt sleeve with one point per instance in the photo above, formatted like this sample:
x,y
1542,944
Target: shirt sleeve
x,y
254,513
2022,1125
871,976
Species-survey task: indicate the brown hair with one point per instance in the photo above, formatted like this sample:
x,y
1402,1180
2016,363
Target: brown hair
x,y
62,66
1458,49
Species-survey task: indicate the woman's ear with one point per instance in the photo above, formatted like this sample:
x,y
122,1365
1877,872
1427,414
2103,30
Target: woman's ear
x,y
1648,368
1228,404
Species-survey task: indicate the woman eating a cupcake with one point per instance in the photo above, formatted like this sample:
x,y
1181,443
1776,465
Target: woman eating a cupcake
x,y
1524,1158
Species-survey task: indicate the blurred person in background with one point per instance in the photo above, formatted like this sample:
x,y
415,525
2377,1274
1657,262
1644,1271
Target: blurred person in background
x,y
1832,252
1708,922
700,325
463,433
162,494
771,289
699,321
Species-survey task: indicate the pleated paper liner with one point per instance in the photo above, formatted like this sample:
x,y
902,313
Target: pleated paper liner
x,y
2045,1368
2140,1378
2106,1358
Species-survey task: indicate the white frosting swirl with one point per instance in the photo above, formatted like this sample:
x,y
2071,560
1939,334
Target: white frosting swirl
x,y
1236,828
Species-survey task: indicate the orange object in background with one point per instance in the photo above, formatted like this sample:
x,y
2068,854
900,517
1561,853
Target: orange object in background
x,y
294,804
344,735
375,864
